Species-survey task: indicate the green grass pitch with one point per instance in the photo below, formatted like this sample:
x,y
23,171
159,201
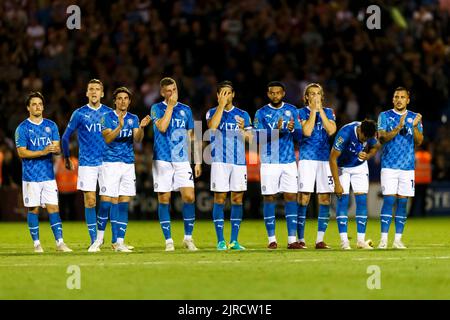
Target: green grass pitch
x,y
420,272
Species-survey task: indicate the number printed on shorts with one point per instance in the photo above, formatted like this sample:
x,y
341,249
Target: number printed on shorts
x,y
330,180
191,177
412,184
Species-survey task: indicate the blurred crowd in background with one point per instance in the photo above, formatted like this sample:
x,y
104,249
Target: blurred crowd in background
x,y
202,42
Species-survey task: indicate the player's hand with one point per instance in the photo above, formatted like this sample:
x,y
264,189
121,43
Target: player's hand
x,y
280,123
338,190
68,163
417,120
240,122
290,125
198,170
173,100
222,99
317,102
121,119
50,149
363,155
402,121
145,122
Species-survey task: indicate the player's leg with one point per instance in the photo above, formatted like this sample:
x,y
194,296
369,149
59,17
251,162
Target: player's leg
x,y
87,182
270,181
306,178
163,174
31,192
49,197
220,185
122,223
238,185
342,208
289,187
389,188
405,190
325,186
236,219
360,183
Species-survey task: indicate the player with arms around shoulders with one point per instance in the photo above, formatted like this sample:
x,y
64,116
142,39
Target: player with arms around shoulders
x,y
276,125
318,123
173,126
399,131
37,139
355,143
232,126
86,121
120,129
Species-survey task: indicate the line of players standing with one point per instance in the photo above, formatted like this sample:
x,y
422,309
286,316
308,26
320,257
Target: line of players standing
x,y
106,157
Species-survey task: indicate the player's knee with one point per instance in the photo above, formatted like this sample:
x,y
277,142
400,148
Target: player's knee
x,y
220,198
164,198
289,197
303,198
324,199
270,198
33,210
52,208
89,201
236,198
189,198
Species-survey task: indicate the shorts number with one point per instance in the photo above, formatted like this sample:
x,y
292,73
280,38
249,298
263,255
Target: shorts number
x,y
412,184
330,180
191,177
245,177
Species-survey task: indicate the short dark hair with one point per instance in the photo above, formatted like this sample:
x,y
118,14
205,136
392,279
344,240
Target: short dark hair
x,y
120,90
368,128
95,81
34,94
402,89
276,84
166,82
224,84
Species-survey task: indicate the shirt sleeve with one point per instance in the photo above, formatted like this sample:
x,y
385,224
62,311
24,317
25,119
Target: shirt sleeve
x,y
136,122
247,121
190,123
55,132
106,122
74,120
20,137
340,141
257,123
302,115
155,113
382,125
372,142
210,114
330,114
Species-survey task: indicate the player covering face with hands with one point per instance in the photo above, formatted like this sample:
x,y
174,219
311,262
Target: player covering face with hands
x,y
120,130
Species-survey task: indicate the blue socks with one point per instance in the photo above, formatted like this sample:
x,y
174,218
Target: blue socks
x,y
235,218
290,209
114,217
361,213
218,218
33,225
55,224
386,213
400,215
188,218
324,217
91,217
301,220
269,218
122,221
342,213
164,220
103,213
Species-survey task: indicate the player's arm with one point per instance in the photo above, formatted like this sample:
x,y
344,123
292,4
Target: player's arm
x,y
418,131
24,153
308,125
163,123
138,133
70,129
197,152
334,155
328,124
109,134
386,136
214,122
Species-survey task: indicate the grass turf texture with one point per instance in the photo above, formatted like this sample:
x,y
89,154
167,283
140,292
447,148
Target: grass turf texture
x,y
420,272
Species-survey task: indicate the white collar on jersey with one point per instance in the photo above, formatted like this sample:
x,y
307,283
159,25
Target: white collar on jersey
x,y
118,115
270,106
400,114
166,103
38,124
225,110
90,107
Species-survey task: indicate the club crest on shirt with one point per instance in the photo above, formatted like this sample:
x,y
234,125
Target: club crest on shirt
x,y
410,120
130,122
182,113
288,113
48,130
339,141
